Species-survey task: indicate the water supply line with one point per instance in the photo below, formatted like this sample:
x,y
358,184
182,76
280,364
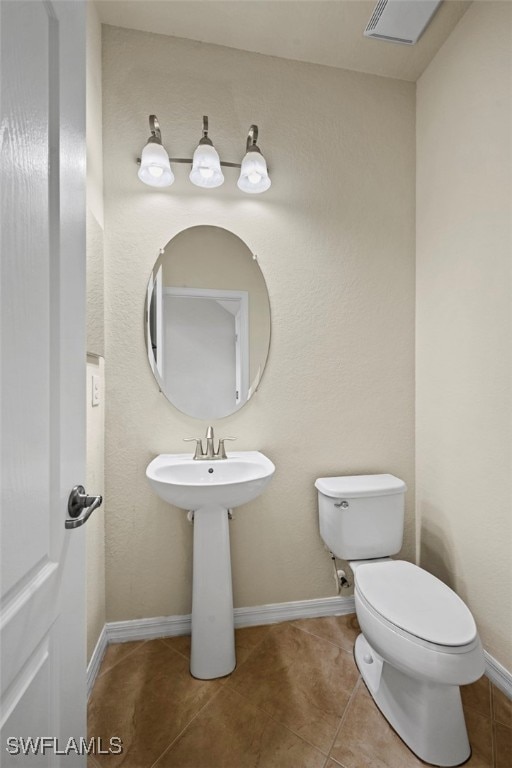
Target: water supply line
x,y
340,576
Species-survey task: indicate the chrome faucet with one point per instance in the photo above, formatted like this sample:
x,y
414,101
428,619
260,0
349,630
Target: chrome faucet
x,y
210,454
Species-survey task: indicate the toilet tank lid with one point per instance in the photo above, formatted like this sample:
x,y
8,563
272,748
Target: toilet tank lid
x,y
416,601
353,486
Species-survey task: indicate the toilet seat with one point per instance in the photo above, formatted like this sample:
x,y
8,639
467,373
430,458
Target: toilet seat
x,y
416,603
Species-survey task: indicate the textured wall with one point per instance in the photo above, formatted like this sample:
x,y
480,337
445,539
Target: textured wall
x,y
335,241
95,283
94,484
94,222
95,529
94,114
464,355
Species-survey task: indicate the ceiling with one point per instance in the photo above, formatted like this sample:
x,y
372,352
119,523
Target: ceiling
x,y
326,32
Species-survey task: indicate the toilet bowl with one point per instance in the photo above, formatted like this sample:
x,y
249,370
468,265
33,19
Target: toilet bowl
x,y
417,623
419,641
418,644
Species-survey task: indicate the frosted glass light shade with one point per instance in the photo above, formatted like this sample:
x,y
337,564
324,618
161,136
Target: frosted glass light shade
x,y
254,177
206,170
155,169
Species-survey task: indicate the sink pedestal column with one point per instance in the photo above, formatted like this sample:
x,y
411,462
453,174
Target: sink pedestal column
x,y
213,634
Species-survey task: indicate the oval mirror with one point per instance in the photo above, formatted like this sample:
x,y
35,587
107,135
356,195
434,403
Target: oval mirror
x,y
207,322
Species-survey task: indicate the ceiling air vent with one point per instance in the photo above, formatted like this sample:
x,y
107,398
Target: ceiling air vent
x,y
401,21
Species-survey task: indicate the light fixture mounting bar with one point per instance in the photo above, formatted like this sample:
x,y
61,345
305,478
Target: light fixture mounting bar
x,y
189,161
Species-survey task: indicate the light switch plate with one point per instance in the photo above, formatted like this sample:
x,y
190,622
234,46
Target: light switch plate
x,y
95,390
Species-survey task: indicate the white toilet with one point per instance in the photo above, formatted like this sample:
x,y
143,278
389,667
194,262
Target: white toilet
x,y
419,641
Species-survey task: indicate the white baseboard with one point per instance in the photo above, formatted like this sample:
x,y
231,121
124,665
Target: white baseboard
x,y
95,661
299,609
170,626
498,675
147,629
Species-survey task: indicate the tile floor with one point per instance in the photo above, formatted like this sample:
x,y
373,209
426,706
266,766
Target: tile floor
x,y
295,700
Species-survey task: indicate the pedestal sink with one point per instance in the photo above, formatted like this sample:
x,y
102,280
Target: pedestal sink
x,y
210,489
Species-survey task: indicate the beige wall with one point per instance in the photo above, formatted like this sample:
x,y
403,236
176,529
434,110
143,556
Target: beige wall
x,y
335,241
94,220
95,529
94,114
95,484
464,351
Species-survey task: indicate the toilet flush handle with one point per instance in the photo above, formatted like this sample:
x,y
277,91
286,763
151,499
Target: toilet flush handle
x,y
342,504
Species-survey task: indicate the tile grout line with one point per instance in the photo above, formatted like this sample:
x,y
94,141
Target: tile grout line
x,y
142,643
343,718
221,688
494,746
238,666
479,712
164,640
212,698
283,725
226,677
228,683
206,704
275,720
321,637
119,661
233,690
160,640
336,763
490,716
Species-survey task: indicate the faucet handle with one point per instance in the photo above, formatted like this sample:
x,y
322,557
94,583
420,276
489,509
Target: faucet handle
x,y
199,446
221,451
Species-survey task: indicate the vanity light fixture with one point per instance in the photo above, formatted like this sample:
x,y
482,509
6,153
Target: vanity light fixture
x,y
206,170
254,176
155,164
155,169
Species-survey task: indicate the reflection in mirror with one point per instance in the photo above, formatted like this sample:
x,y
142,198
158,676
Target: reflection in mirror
x,y
207,322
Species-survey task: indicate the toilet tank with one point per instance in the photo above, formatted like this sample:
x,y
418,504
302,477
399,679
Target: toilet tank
x,y
361,516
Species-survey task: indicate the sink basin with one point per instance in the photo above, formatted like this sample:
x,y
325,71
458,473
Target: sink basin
x,y
180,480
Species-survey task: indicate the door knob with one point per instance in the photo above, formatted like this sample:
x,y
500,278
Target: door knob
x,y
80,507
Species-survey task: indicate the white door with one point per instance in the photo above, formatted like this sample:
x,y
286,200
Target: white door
x,y
42,608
